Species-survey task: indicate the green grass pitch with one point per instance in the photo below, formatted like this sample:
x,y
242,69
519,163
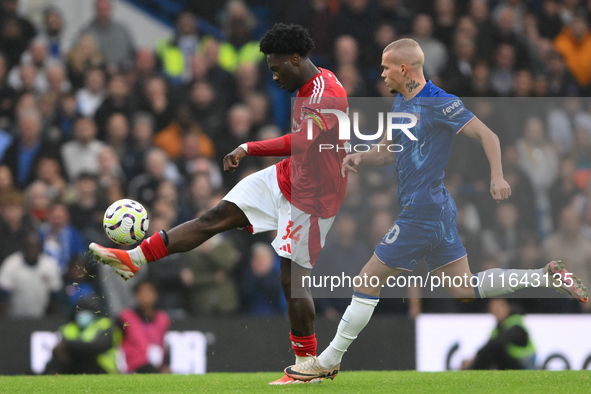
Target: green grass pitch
x,y
346,382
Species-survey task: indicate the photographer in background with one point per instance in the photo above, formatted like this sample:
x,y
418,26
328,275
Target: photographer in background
x,y
88,345
509,346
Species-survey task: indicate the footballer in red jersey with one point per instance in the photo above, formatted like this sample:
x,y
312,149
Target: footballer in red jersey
x,y
297,197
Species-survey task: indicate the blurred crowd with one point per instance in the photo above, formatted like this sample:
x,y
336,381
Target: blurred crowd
x,y
85,123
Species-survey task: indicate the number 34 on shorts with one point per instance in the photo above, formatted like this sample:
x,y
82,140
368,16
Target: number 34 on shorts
x,y
292,233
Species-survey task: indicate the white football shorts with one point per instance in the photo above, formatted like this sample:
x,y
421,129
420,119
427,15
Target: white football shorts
x,y
300,236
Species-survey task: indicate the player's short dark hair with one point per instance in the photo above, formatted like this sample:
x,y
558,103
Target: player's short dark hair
x,y
285,39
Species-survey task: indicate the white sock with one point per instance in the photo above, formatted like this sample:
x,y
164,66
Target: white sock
x,y
498,281
300,359
353,321
137,256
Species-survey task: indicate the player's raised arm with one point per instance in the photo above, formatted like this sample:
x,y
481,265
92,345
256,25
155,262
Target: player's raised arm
x,y
499,188
377,156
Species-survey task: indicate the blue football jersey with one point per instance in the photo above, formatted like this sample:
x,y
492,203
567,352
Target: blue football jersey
x,y
421,163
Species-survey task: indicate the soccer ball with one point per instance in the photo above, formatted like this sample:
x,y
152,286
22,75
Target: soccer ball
x,y
126,222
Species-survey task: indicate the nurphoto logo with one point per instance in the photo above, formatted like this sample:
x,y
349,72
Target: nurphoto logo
x,y
394,121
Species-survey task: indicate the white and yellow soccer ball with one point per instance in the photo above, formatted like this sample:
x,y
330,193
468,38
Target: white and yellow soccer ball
x,y
126,222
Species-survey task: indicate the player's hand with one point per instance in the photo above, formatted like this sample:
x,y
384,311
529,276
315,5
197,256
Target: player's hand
x,y
499,189
233,158
350,163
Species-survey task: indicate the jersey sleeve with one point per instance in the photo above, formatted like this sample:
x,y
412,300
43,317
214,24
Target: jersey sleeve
x,y
280,146
451,112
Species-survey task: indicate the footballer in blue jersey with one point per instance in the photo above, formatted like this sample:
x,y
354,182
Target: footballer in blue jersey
x,y
426,226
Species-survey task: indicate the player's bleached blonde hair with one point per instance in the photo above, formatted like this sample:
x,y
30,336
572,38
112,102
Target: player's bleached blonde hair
x,y
408,51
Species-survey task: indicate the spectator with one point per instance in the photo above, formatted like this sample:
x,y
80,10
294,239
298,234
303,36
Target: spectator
x,y
91,95
65,115
396,13
205,68
23,155
574,44
445,14
113,38
356,18
86,212
14,223
7,97
6,181
199,194
35,56
560,80
351,80
581,152
171,139
60,239
193,151
158,169
539,161
346,52
88,343
57,80
15,32
173,278
52,32
523,84
85,55
562,121
28,80
117,135
110,172
457,74
240,130
79,283
49,171
481,84
143,332
549,21
260,292
30,281
502,72
142,133
214,266
342,250
158,103
501,239
81,154
240,48
176,53
564,189
435,51
37,202
569,244
118,100
206,108
144,69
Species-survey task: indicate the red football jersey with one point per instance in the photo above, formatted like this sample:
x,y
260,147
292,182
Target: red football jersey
x,y
311,178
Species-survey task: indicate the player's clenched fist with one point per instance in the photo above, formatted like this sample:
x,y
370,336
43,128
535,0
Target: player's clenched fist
x,y
233,158
350,163
499,189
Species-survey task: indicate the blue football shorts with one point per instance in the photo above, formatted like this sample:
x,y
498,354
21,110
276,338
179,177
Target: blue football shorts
x,y
409,240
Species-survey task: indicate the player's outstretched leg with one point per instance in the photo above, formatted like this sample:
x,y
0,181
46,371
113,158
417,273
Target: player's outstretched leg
x,y
301,312
498,281
185,237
